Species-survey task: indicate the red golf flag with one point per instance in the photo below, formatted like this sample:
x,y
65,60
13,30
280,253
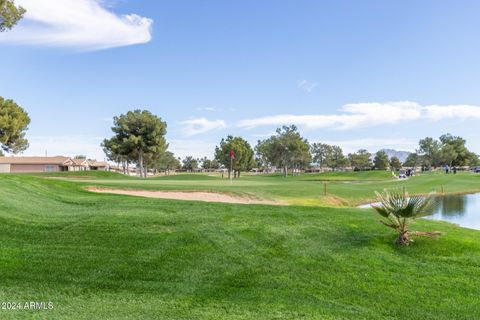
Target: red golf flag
x,y
232,154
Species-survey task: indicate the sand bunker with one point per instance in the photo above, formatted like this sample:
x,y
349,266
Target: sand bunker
x,y
185,195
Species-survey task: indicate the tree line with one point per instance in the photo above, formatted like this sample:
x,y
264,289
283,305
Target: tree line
x,y
447,150
288,150
139,139
190,164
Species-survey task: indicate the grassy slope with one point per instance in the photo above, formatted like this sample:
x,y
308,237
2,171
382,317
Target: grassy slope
x,y
343,189
114,257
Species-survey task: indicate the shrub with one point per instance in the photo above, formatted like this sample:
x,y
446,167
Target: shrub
x,y
400,210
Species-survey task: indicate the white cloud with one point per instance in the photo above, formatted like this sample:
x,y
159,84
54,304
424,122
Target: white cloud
x,y
364,115
435,112
201,125
306,85
79,24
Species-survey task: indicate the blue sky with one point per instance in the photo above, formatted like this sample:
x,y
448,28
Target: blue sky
x,y
366,73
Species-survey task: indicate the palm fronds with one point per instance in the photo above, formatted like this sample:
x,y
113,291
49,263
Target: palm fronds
x,y
400,210
402,205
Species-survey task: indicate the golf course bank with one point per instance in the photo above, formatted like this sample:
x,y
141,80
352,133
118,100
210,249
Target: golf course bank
x,y
93,255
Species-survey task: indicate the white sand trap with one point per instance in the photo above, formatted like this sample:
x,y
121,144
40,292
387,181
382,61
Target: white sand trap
x,y
186,195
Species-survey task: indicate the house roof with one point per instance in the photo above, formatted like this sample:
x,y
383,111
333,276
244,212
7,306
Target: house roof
x,y
80,162
94,163
36,160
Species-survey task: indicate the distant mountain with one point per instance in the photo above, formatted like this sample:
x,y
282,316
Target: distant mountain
x,y
401,155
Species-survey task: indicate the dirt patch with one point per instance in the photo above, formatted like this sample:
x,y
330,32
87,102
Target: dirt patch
x,y
186,195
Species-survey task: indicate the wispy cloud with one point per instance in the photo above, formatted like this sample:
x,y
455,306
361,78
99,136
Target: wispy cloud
x,y
436,112
364,115
306,85
79,24
201,125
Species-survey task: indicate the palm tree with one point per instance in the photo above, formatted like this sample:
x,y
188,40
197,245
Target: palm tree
x,y
400,210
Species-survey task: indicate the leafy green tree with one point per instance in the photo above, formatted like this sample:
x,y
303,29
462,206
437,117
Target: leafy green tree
x,y
413,160
338,158
166,162
244,155
430,151
380,162
208,164
1,153
360,160
448,149
140,134
118,152
474,161
328,156
448,155
265,154
285,149
401,210
322,154
10,14
395,163
189,163
14,123
454,150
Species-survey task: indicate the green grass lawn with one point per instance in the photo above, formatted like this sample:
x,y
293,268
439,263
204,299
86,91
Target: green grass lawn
x,y
343,189
100,256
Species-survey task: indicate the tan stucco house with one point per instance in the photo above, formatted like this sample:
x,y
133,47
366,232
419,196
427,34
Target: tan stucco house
x,y
34,164
97,165
79,164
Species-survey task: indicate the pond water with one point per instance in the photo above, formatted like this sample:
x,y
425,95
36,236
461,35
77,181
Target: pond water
x,y
463,210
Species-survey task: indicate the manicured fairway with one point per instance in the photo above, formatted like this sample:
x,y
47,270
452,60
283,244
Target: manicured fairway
x,y
100,256
342,189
